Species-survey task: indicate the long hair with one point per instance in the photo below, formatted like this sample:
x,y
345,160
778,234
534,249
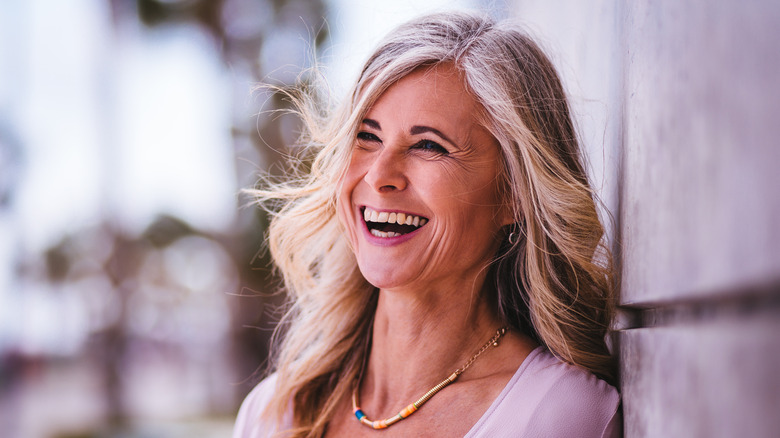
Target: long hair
x,y
553,284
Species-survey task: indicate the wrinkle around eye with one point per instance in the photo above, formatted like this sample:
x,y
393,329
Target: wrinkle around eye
x,y
367,141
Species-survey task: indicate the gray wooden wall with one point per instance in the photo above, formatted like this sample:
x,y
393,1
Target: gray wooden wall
x,y
679,108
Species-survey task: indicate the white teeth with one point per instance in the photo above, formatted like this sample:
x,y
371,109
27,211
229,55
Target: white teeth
x,y
378,233
371,215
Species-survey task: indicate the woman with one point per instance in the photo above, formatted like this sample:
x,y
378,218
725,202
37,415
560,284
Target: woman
x,y
444,249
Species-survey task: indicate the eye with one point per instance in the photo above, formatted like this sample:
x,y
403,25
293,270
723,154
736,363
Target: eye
x,y
367,136
430,145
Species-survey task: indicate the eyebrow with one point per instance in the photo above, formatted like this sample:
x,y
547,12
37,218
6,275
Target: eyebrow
x,y
372,123
415,130
423,129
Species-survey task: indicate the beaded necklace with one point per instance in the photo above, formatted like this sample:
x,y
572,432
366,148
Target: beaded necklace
x,y
409,410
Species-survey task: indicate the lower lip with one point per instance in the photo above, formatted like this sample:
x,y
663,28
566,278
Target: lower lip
x,y
387,241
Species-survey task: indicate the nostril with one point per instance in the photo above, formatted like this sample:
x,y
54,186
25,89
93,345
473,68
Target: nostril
x,y
386,181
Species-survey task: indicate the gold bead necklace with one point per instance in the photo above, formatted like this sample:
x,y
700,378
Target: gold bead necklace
x,y
409,410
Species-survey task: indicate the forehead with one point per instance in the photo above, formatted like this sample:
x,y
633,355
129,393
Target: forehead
x,y
438,94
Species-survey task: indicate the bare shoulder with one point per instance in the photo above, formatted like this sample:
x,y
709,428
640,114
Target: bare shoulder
x,y
512,351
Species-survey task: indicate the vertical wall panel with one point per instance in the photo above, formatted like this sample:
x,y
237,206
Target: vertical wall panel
x,y
679,102
700,207
708,380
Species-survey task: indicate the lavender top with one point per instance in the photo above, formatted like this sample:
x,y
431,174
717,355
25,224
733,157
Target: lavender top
x,y
544,398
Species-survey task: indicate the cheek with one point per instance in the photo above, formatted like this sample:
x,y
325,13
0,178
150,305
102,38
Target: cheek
x,y
479,204
344,204
352,174
346,224
345,210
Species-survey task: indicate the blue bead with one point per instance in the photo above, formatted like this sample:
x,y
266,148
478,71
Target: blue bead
x,y
359,414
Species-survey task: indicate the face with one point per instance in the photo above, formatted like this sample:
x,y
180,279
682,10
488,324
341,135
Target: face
x,y
419,200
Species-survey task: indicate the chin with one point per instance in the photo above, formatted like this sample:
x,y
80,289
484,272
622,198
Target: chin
x,y
383,278
379,280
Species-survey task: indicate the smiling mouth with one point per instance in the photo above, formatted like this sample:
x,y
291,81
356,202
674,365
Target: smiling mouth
x,y
391,224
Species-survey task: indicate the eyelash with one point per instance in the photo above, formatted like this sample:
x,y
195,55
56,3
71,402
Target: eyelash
x,y
433,147
367,136
425,145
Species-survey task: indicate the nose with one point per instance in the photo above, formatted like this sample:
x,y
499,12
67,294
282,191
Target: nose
x,y
387,172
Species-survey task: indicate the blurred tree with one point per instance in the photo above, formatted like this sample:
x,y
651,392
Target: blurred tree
x,y
145,292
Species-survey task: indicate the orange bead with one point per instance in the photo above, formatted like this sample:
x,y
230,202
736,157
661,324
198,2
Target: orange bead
x,y
407,411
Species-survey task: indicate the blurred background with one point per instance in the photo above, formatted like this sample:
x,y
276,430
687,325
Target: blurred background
x,y
135,298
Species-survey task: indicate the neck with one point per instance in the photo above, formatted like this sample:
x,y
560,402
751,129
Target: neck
x,y
420,339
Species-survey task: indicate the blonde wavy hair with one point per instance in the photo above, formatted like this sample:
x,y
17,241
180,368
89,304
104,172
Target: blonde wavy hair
x,y
553,284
